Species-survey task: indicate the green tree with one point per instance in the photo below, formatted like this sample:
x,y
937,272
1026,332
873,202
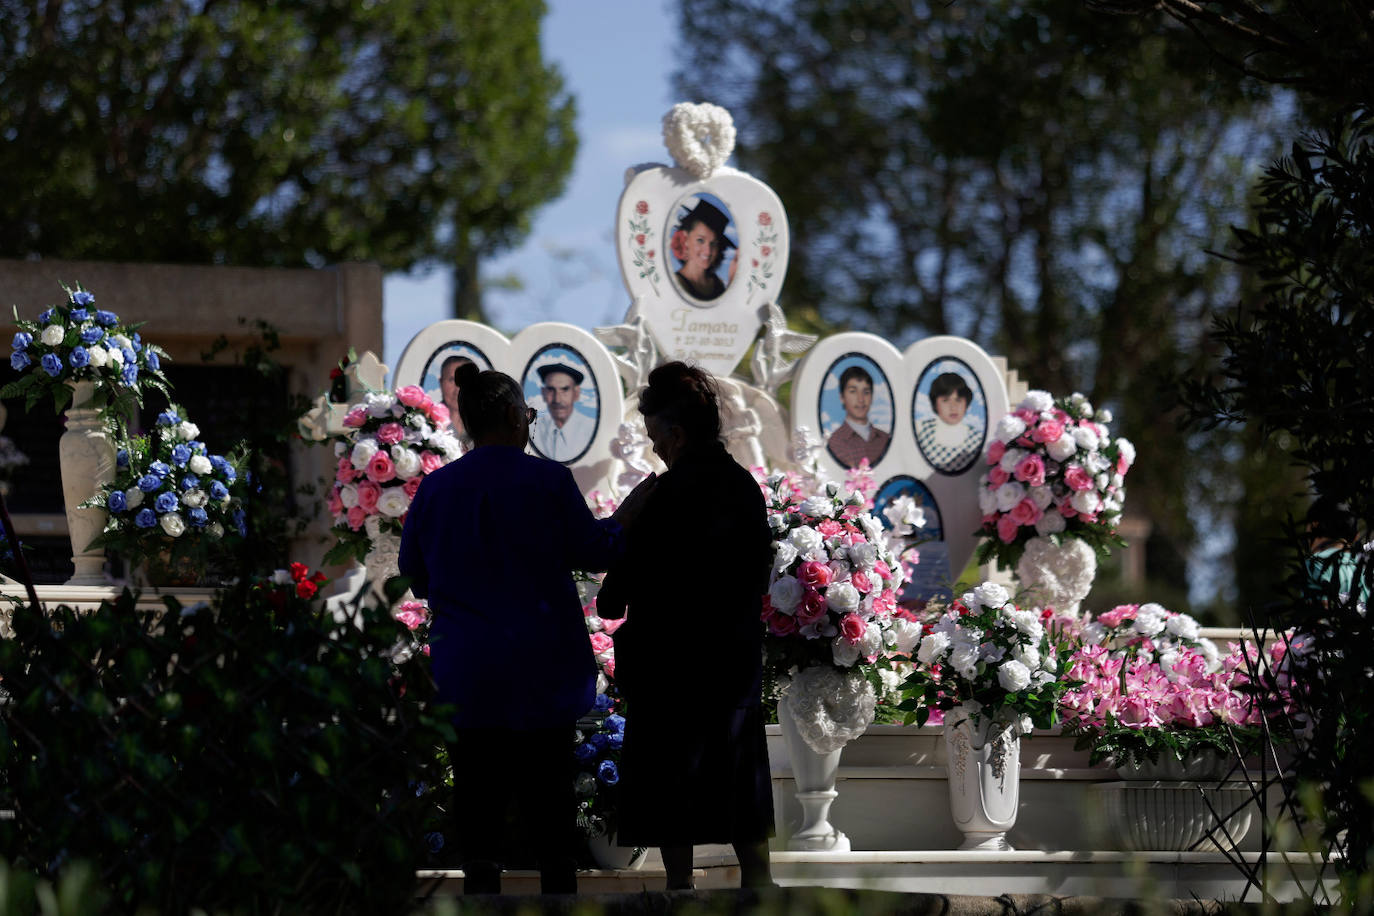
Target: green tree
x,y
410,134
1024,173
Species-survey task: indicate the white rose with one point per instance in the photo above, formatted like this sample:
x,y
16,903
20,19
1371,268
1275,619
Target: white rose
x,y
1009,494
871,643
841,597
843,652
1102,481
872,528
1009,428
1041,497
963,658
379,403
363,450
1027,655
863,556
1094,633
1050,523
1038,400
1096,462
123,342
448,444
1085,438
173,524
186,430
784,554
393,502
1062,449
1149,619
215,530
1127,451
282,577
1085,501
1183,626
194,499
406,461
1104,416
52,335
905,634
987,501
348,495
1013,676
116,356
199,464
1011,458
785,594
1081,404
133,497
990,594
817,507
339,448
98,356
777,523
932,648
807,540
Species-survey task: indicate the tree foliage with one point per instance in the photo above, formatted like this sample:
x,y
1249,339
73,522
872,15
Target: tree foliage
x,y
1026,173
266,134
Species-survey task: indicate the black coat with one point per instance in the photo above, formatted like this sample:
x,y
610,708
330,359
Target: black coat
x,y
689,657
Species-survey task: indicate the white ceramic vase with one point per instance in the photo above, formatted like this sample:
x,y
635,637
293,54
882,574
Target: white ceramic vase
x,y
1182,806
86,457
814,774
606,854
984,763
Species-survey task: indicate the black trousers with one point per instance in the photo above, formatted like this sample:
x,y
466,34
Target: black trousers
x,y
513,796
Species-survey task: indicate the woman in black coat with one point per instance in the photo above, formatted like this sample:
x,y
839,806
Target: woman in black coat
x,y
694,768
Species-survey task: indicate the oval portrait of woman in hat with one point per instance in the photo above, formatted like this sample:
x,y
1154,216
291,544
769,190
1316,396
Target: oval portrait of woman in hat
x,y
703,247
561,388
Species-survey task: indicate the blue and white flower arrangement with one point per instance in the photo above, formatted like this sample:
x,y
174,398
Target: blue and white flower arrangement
x,y
78,342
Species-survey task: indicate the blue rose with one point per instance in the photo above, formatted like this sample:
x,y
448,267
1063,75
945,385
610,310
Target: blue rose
x,y
116,501
83,297
21,340
146,518
218,491
130,357
181,454
218,463
608,773
160,468
152,360
229,473
52,364
129,375
46,316
603,702
105,318
79,358
138,341
598,741
615,742
92,336
165,502
584,752
197,517
78,315
19,360
168,418
190,482
615,723
435,841
149,482
122,458
241,522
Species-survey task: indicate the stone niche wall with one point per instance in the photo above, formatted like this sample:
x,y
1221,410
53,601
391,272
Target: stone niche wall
x,y
318,314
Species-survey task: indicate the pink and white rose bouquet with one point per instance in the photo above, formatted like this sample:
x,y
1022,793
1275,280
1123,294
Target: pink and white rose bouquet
x,y
393,441
991,658
1054,471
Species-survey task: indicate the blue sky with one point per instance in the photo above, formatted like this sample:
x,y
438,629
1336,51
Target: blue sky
x,y
616,57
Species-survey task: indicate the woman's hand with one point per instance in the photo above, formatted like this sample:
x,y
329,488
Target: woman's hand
x,y
632,505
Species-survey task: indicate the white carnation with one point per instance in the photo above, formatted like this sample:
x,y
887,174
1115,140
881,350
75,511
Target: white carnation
x,y
1009,494
1062,449
784,554
393,502
807,540
1127,451
1009,428
186,431
1104,416
871,643
199,464
173,524
1183,626
379,403
1027,655
905,634
1013,676
282,577
843,652
215,530
123,342
1038,400
52,335
1149,619
785,594
932,647
817,507
987,501
992,595
1085,501
99,356
963,658
1209,652
863,556
1093,634
116,356
1050,523
1085,438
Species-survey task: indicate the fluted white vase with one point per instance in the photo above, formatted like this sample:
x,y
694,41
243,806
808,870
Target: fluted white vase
x,y
86,457
984,761
814,774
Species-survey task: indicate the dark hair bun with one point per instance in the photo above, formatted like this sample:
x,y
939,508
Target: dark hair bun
x,y
685,395
466,374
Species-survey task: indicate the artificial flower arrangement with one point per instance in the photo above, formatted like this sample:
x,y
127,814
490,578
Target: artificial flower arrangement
x,y
991,658
1149,686
171,498
392,441
1054,472
76,342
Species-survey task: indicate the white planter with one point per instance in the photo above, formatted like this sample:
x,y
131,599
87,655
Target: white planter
x,y
815,777
86,456
1183,806
606,854
984,779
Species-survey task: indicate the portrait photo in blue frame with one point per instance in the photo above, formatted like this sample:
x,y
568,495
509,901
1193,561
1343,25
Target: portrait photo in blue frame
x,y
949,415
560,385
931,577
853,424
437,379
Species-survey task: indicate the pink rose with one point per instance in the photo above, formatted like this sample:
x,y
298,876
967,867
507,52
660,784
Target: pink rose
x,y
812,607
439,414
410,395
609,668
1122,465
861,582
1027,415
1025,512
997,476
781,625
335,503
346,472
411,485
1006,529
885,602
356,417
1048,431
368,493
1077,478
589,610
814,574
391,433
430,462
996,450
882,570
601,643
852,627
1117,615
356,516
1031,471
380,469
410,613
829,528
610,626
